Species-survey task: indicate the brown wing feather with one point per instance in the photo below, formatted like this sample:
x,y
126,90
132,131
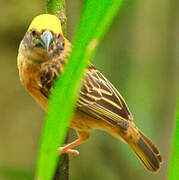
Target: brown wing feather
x,y
47,77
100,99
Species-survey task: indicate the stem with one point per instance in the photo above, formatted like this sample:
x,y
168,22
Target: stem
x,y
62,170
58,8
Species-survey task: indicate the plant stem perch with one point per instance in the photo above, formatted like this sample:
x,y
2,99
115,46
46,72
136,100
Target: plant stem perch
x,y
58,7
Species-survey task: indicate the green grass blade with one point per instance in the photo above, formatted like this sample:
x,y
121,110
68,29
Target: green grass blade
x,y
95,18
174,162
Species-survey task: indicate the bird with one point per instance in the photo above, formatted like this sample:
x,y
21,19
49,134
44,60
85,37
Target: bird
x,y
42,56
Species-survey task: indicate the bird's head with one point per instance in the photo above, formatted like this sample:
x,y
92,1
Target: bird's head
x,y
44,38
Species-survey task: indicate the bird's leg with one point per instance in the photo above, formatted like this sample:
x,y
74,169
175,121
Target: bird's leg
x,y
83,136
67,148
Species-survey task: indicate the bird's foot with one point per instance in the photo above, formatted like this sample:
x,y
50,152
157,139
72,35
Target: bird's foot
x,y
63,150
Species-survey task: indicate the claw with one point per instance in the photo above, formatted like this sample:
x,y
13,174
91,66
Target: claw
x,y
63,150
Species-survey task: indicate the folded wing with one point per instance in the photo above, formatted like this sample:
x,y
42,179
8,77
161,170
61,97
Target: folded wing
x,y
100,99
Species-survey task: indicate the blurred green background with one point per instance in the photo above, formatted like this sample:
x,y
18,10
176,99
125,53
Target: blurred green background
x,y
138,55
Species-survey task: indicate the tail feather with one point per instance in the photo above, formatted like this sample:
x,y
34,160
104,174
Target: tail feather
x,y
153,146
147,152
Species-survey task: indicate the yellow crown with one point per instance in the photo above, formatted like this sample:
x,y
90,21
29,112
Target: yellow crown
x,y
46,22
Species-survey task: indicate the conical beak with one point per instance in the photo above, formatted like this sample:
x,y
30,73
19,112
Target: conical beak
x,y
46,39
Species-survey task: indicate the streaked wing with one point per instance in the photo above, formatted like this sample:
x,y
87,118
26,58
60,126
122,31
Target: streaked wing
x,y
100,99
47,76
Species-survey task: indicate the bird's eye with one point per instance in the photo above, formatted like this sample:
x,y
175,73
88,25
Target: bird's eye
x,y
33,32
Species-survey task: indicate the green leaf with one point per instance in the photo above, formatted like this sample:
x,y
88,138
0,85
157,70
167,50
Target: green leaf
x,y
95,19
174,162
